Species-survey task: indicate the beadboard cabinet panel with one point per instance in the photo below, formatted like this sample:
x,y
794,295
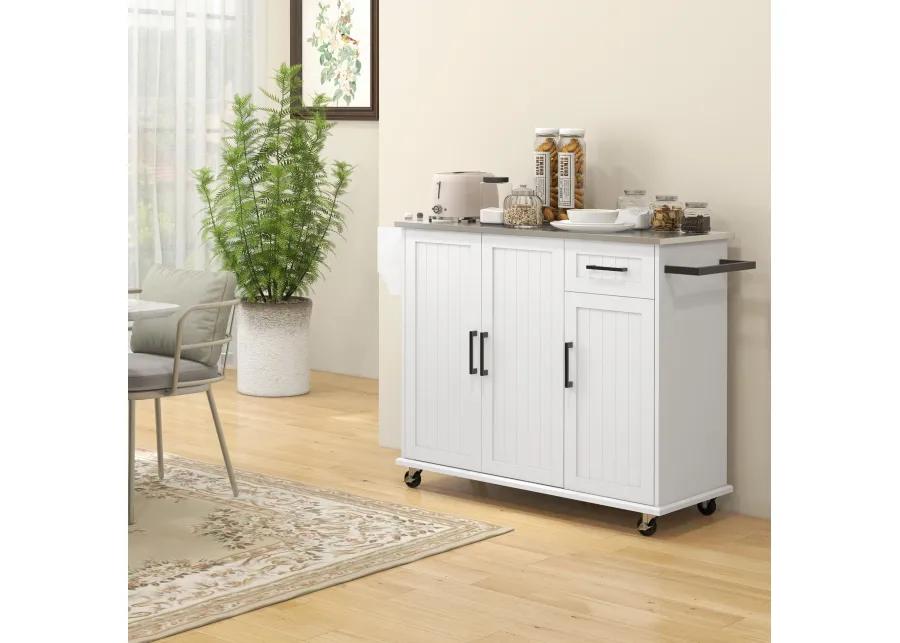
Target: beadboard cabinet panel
x,y
522,401
442,398
609,408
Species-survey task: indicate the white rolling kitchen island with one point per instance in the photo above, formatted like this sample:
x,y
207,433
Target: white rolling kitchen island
x,y
586,366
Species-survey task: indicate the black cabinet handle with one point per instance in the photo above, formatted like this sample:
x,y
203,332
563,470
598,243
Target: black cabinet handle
x,y
724,265
591,266
481,354
472,369
566,381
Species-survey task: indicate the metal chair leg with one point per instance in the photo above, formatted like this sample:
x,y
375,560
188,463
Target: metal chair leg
x,y
218,422
157,406
130,462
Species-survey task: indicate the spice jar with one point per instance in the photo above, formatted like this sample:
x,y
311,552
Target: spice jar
x,y
633,199
696,217
666,213
522,209
572,170
546,156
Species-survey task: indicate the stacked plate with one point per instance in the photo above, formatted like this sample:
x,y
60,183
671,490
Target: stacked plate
x,y
592,220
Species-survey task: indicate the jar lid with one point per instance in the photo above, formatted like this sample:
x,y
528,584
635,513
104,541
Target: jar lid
x,y
571,131
696,204
666,197
635,192
495,179
523,190
546,131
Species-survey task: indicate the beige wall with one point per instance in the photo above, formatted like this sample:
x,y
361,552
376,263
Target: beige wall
x,y
674,97
344,328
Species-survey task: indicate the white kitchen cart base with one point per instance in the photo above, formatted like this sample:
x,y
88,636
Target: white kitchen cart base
x,y
414,476
588,367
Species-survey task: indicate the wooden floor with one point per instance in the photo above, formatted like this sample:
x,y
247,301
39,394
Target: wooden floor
x,y
569,572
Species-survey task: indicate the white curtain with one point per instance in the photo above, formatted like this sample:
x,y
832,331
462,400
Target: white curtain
x,y
187,59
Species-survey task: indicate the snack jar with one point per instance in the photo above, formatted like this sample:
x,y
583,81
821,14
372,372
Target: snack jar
x,y
633,199
572,170
666,213
522,209
546,155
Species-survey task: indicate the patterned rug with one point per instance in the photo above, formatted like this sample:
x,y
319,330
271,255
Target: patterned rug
x,y
198,555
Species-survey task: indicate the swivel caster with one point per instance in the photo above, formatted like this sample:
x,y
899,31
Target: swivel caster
x,y
413,478
646,525
707,508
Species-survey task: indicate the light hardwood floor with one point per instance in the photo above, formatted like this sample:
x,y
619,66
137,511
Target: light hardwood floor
x,y
569,572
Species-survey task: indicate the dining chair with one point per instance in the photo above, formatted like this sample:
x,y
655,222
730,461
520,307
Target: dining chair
x,y
179,354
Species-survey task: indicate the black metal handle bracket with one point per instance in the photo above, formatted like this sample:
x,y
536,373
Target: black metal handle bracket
x,y
724,265
566,381
481,354
472,369
609,268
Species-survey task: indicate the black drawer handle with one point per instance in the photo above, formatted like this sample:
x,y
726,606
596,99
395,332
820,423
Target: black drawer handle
x,y
472,369
481,354
724,265
566,381
609,268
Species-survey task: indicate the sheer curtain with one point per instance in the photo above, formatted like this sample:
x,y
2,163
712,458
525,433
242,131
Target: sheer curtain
x,y
187,59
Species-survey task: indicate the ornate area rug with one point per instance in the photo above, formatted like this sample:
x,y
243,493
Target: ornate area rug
x,y
198,555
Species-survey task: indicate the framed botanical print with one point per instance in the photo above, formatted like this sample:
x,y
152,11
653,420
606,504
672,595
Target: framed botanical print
x,y
336,44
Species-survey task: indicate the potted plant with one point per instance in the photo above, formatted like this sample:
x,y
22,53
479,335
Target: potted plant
x,y
271,212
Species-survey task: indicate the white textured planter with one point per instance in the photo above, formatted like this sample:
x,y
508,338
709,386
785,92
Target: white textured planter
x,y
273,348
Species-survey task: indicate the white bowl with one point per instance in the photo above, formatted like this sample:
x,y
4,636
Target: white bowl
x,y
592,215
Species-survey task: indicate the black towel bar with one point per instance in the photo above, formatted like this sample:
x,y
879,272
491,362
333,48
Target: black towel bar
x,y
724,265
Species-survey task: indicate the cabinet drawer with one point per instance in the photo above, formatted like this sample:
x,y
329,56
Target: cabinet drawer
x,y
606,268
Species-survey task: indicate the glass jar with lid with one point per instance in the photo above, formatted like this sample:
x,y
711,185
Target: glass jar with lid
x,y
546,142
666,213
633,199
572,169
696,217
522,208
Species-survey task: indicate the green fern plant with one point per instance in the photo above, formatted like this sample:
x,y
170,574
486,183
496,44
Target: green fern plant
x,y
275,204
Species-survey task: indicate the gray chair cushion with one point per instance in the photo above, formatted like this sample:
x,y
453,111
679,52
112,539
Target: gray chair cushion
x,y
185,288
148,372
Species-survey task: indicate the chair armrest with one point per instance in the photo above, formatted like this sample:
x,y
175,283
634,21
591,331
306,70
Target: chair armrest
x,y
179,329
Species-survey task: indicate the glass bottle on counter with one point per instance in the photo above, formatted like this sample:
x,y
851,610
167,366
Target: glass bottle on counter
x,y
696,217
546,156
666,213
522,209
572,170
633,199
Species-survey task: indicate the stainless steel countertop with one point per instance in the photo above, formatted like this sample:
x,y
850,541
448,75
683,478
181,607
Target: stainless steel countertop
x,y
634,236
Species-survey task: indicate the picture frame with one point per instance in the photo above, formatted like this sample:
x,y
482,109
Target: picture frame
x,y
332,35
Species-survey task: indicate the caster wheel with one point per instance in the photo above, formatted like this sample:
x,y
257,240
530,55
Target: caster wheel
x,y
646,528
413,478
707,508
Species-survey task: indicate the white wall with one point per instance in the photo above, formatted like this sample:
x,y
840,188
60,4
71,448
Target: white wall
x,y
675,99
344,328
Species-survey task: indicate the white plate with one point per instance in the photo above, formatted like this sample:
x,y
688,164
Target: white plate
x,y
591,227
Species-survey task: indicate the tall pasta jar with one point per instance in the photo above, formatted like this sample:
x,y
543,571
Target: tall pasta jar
x,y
666,213
572,169
634,199
522,209
546,156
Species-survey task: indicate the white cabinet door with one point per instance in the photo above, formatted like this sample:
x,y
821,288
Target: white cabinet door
x,y
609,407
441,310
522,312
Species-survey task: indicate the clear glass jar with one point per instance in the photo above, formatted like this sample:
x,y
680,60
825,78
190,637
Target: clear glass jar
x,y
696,217
572,170
666,213
633,199
546,157
522,209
